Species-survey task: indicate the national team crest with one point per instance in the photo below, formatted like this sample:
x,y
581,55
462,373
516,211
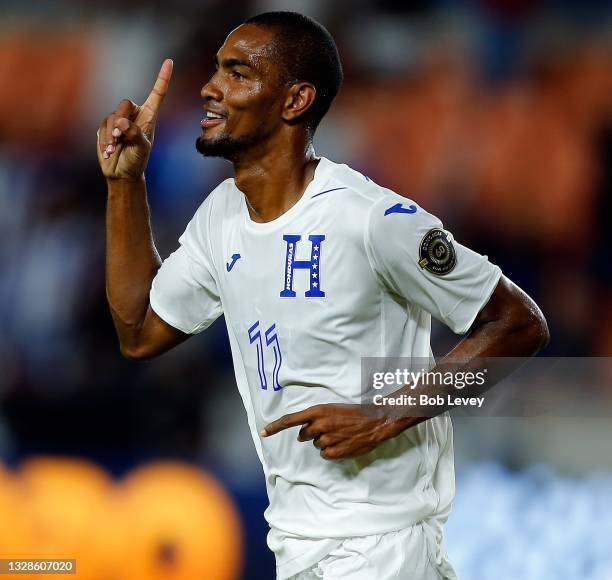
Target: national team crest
x,y
313,266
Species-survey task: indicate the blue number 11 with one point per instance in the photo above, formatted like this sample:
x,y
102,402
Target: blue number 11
x,y
271,337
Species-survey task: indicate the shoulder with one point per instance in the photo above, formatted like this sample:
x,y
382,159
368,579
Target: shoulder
x,y
398,230
380,210
397,214
219,203
356,191
348,186
224,199
346,195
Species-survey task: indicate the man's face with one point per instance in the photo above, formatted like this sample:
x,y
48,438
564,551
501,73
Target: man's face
x,y
243,99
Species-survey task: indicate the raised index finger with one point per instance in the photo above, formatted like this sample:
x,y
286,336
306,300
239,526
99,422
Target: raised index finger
x,y
286,421
160,88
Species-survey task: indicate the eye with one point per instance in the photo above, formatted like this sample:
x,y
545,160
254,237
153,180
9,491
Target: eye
x,y
237,75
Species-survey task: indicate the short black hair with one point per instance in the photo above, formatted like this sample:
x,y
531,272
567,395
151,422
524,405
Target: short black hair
x,y
305,51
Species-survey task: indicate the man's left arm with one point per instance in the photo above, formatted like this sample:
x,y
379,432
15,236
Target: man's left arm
x,y
510,325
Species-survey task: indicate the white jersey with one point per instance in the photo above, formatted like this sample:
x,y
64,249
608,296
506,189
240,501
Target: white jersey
x,y
348,272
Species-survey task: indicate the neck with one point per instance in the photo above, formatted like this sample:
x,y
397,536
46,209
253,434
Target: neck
x,y
273,182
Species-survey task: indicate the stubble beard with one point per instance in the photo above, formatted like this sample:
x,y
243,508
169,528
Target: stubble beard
x,y
226,146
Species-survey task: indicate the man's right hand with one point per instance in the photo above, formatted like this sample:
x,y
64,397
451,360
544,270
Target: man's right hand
x,y
125,136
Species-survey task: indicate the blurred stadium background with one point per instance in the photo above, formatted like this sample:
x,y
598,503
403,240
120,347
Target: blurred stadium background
x,y
494,114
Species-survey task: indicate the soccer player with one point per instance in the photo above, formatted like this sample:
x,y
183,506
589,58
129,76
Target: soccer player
x,y
314,267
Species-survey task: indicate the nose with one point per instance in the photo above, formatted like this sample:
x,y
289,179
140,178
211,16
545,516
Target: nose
x,y
211,91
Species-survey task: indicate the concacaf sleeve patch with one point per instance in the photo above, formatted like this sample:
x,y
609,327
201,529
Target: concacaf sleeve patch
x,y
436,252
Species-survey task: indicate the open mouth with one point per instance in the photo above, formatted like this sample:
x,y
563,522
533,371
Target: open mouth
x,y
212,119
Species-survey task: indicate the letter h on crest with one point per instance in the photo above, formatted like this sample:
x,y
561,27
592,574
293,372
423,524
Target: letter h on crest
x,y
312,265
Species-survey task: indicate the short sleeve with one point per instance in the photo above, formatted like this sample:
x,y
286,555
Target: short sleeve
x,y
184,292
417,259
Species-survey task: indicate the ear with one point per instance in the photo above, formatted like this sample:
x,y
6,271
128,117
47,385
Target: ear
x,y
300,98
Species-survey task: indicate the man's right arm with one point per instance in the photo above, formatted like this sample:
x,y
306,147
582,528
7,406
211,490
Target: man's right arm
x,y
132,262
125,138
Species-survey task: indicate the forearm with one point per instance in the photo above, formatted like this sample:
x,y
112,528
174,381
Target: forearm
x,y
131,257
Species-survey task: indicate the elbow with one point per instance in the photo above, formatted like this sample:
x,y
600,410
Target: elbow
x,y
514,321
544,334
532,329
539,335
135,352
